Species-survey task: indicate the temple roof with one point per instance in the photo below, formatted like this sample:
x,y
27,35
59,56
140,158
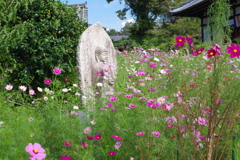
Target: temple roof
x,y
189,8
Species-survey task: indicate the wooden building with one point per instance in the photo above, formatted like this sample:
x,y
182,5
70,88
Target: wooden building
x,y
198,8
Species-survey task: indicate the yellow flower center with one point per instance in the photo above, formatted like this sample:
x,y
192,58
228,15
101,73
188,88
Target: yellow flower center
x,y
180,40
199,52
211,53
234,50
35,150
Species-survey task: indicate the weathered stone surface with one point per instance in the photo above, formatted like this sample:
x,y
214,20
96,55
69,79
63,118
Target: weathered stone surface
x,y
96,62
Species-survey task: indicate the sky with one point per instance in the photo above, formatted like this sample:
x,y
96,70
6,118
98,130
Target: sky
x,y
101,11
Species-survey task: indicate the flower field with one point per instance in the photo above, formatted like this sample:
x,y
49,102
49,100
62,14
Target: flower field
x,y
163,106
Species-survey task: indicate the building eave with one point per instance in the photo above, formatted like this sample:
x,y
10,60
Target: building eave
x,y
186,6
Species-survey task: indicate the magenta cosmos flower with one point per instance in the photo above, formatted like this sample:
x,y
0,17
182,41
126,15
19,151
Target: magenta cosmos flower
x,y
132,105
113,98
180,41
211,53
189,40
118,138
156,133
140,133
57,71
36,151
234,50
97,136
67,143
152,65
47,81
111,153
65,158
196,53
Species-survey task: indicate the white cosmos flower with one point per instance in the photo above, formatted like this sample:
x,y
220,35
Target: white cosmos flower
x,y
65,90
75,107
77,94
39,89
99,84
46,90
163,71
75,85
156,59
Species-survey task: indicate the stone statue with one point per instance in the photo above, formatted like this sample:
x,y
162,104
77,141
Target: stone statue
x,y
96,61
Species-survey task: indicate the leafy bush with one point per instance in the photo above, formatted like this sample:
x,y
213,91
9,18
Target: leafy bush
x,y
51,41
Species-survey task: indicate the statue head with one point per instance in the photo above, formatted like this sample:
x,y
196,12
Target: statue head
x,y
101,54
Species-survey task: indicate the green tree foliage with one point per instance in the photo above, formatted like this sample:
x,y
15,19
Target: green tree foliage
x,y
167,30
53,31
112,32
127,28
145,12
10,32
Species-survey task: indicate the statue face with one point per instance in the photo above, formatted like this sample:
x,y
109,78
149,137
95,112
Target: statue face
x,y
103,56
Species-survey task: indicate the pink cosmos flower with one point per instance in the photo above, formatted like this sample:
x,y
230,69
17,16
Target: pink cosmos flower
x,y
141,73
9,87
97,136
23,88
31,92
132,105
65,158
180,41
211,53
36,151
67,143
169,125
202,121
87,130
47,81
156,133
57,71
93,122
217,48
128,96
99,73
233,50
113,99
118,145
152,65
140,133
118,138
189,40
111,153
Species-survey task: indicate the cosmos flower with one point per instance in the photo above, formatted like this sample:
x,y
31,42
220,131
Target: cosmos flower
x,y
156,133
57,71
36,151
140,133
9,87
47,81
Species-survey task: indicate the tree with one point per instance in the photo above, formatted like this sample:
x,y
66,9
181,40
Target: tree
x,y
127,28
10,32
145,12
53,34
112,32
